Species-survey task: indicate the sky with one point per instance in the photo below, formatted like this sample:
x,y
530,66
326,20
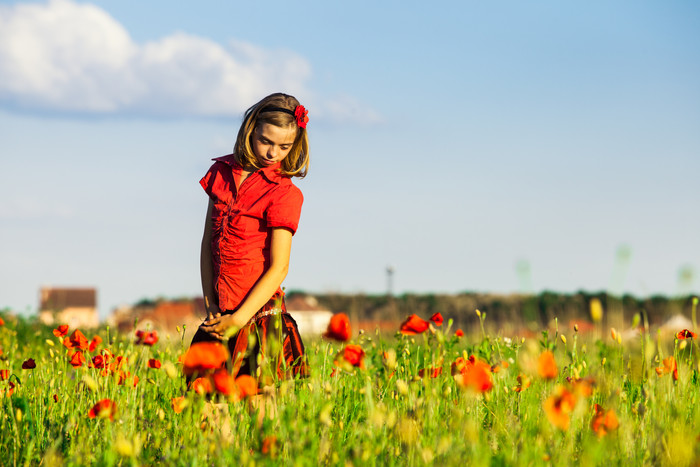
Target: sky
x,y
478,146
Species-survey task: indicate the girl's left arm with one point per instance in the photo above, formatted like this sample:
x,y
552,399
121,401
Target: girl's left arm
x,y
264,288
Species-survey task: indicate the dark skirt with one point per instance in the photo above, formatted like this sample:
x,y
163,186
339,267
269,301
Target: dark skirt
x,y
269,347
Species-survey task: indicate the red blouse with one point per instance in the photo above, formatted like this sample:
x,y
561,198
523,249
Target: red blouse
x,y
242,221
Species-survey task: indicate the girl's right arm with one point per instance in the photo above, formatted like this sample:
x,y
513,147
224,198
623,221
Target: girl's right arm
x,y
206,265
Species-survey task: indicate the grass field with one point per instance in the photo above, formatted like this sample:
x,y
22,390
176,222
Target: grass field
x,y
427,397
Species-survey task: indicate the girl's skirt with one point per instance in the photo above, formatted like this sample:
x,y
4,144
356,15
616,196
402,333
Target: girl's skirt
x,y
268,348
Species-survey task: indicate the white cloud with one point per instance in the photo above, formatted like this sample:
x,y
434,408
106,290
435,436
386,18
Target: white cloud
x,y
64,56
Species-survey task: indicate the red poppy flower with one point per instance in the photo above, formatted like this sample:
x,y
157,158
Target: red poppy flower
x,y
204,356
103,409
414,325
459,333
546,365
98,361
523,383
76,358
179,404
11,388
224,382
2,322
603,421
146,337
437,319
202,386
583,386
29,364
669,366
475,375
354,355
685,334
301,115
432,372
55,398
559,406
247,385
153,363
269,446
338,328
76,340
61,331
4,374
96,340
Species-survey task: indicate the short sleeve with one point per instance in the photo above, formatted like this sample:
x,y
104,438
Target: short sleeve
x,y
214,182
285,208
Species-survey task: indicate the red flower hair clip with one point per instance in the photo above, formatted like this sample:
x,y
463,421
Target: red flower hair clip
x,y
301,115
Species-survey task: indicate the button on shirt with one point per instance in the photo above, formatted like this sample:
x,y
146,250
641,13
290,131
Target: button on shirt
x,y
242,222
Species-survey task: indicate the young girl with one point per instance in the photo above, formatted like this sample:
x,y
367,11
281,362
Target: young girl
x,y
253,212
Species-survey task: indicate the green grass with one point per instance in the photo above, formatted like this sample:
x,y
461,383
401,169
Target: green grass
x,y
378,415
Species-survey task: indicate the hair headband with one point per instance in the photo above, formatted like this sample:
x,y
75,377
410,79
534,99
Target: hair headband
x,y
300,113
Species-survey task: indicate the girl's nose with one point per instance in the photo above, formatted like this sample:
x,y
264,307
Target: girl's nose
x,y
272,151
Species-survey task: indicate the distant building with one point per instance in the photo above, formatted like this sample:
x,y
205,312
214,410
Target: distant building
x,y
166,315
76,307
311,318
162,315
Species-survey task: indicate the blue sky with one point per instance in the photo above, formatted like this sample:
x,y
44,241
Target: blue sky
x,y
450,140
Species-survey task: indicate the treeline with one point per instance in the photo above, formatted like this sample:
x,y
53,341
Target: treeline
x,y
508,311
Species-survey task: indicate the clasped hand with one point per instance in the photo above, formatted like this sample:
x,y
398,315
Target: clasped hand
x,y
217,324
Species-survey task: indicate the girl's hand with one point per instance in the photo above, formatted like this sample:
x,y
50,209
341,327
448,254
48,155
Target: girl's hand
x,y
218,325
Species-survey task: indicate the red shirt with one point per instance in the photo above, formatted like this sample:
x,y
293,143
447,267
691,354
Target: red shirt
x,y
242,221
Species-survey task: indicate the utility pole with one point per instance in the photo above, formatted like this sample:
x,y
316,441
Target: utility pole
x,y
389,281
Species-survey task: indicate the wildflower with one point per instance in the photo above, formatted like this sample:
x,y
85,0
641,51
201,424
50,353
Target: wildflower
x,y
2,322
414,325
202,385
685,334
269,446
178,404
459,333
559,406
103,409
523,383
603,421
55,398
247,385
546,365
669,366
146,337
76,340
223,382
98,361
204,356
354,355
4,374
125,376
153,363
338,328
432,372
76,358
29,364
583,386
61,331
475,375
596,309
437,319
96,340
389,359
497,367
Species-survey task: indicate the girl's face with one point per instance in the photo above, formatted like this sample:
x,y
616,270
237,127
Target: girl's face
x,y
271,144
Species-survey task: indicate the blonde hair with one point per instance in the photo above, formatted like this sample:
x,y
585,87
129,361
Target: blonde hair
x,y
269,110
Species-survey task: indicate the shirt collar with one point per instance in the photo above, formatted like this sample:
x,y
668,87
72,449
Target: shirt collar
x,y
271,173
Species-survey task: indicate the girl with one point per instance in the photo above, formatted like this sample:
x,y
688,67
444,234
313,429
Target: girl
x,y
253,212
